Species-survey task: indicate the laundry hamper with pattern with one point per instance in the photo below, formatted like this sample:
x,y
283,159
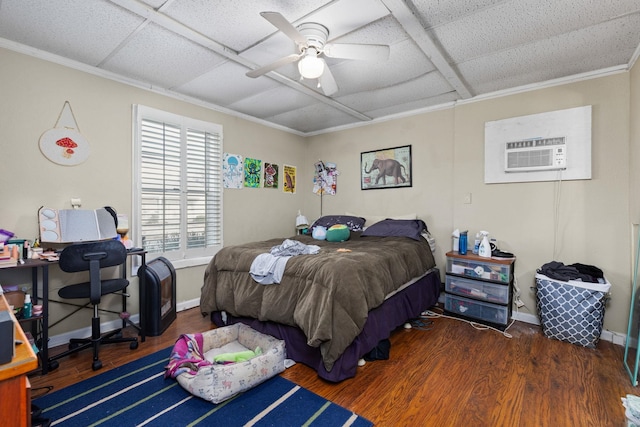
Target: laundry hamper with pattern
x,y
571,311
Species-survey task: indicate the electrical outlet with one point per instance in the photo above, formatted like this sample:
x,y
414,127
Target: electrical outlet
x,y
519,303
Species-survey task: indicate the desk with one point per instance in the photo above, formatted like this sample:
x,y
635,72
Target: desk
x,y
15,404
43,266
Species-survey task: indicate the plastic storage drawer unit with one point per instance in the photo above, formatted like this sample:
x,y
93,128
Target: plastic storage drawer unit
x,y
497,314
479,269
489,292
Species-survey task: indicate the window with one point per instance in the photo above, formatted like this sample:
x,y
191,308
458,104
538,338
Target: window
x,y
177,186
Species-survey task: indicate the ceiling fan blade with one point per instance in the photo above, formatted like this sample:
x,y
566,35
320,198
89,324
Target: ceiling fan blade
x,y
270,67
279,21
368,52
327,82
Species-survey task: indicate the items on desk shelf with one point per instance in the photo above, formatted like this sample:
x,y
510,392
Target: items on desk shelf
x,y
15,299
36,310
49,256
26,309
6,258
5,235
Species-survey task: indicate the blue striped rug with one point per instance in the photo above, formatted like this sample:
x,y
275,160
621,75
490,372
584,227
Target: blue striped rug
x,y
137,394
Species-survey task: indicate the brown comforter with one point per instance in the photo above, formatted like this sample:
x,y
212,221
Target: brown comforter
x,y
327,295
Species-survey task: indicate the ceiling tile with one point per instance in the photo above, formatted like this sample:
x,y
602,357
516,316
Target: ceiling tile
x,y
163,58
76,29
312,118
225,85
524,22
405,62
553,58
434,13
202,49
236,24
262,104
423,87
417,105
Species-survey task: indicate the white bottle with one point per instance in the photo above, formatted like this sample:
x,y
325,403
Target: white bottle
x,y
484,250
476,244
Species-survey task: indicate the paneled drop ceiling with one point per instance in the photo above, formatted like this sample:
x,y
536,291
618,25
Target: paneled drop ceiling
x,y
440,51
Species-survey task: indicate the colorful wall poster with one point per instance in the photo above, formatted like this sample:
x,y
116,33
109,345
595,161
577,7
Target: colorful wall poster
x,y
270,175
252,172
232,173
289,183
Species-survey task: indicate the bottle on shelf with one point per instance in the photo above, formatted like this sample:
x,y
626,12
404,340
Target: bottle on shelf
x,y
484,250
26,309
463,243
476,244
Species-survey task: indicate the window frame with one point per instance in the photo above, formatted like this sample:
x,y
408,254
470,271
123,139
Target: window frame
x,y
182,257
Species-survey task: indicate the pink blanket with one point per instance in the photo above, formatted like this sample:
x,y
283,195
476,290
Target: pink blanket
x,y
186,356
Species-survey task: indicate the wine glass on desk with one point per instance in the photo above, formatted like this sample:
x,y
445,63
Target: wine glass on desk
x,y
122,228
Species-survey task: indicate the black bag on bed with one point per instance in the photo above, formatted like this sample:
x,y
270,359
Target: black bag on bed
x,y
379,352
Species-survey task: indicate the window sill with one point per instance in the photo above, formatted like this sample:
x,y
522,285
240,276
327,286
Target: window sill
x,y
191,262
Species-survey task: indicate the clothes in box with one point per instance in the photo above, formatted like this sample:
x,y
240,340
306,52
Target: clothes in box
x,y
571,311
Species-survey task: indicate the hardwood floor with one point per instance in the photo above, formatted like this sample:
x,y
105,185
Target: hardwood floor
x,y
449,375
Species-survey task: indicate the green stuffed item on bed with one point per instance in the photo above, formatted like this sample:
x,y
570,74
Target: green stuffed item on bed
x,y
338,233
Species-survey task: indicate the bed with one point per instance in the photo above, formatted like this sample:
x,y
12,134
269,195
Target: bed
x,y
333,307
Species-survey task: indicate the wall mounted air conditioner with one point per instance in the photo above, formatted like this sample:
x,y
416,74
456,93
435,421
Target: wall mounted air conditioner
x,y
537,154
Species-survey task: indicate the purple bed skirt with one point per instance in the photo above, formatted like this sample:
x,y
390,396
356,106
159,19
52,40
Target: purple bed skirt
x,y
395,311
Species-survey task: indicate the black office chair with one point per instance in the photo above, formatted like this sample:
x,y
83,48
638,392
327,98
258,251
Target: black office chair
x,y
92,257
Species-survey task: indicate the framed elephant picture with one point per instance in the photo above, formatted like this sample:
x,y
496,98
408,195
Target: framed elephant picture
x,y
388,168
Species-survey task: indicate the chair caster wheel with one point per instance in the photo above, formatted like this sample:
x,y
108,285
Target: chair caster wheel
x,y
118,335
133,345
73,345
53,365
96,365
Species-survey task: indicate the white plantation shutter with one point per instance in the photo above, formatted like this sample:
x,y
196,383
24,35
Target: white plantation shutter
x,y
179,191
204,192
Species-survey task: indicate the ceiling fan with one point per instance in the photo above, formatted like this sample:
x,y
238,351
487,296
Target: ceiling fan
x,y
311,42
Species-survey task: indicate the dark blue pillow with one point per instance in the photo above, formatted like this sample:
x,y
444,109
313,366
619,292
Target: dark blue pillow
x,y
411,228
355,223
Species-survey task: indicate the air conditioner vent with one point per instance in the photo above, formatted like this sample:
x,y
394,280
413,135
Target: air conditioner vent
x,y
538,154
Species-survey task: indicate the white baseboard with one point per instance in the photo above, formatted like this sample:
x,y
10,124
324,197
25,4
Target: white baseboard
x,y
607,335
526,317
63,339
56,340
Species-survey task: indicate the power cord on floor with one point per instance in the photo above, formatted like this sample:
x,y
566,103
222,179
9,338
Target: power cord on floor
x,y
430,314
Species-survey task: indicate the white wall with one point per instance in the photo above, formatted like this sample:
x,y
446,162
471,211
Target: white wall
x,y
448,163
595,216
33,94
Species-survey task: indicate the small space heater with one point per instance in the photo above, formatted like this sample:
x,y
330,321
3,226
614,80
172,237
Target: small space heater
x,y
159,305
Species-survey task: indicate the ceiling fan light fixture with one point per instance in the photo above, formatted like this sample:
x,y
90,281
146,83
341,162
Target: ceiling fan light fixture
x,y
311,67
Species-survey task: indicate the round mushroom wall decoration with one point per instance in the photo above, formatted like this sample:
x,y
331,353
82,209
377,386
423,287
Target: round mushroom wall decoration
x,y
64,144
